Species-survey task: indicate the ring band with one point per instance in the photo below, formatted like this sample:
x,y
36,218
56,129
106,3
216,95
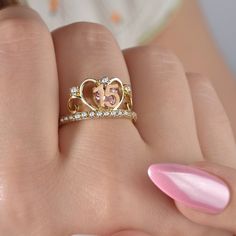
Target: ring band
x,y
103,98
98,114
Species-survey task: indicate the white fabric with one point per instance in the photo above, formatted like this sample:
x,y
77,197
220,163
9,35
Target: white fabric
x,y
139,19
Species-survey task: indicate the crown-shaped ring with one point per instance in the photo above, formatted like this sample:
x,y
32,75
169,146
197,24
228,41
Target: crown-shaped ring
x,y
105,97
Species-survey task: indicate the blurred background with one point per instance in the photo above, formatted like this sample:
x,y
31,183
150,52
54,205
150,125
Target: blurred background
x,y
136,21
222,19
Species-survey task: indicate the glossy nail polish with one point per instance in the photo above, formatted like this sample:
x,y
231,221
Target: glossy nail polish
x,y
191,186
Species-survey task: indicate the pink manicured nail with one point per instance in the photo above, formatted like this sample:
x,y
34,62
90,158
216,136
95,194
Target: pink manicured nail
x,y
191,186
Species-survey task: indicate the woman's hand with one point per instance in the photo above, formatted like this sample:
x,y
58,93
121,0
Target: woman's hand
x,y
90,177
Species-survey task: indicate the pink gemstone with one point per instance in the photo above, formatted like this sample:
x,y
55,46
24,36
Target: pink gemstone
x,y
97,96
114,90
111,100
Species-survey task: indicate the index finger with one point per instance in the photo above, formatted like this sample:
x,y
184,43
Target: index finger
x,y
28,86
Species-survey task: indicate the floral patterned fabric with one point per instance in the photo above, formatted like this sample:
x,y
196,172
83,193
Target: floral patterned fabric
x,y
131,21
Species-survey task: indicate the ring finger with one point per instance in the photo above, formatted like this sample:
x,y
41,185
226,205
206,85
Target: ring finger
x,y
87,50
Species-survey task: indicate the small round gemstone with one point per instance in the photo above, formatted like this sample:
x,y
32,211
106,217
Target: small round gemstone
x,y
99,114
84,114
114,113
74,90
106,113
127,88
92,114
66,118
77,116
120,113
126,113
104,80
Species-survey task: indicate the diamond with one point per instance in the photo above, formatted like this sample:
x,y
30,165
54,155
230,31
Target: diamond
x,y
114,113
120,113
92,114
126,113
127,88
62,119
74,90
71,117
99,113
77,116
84,114
106,113
104,80
65,118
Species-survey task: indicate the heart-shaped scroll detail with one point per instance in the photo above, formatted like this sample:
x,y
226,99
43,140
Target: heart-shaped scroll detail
x,y
97,83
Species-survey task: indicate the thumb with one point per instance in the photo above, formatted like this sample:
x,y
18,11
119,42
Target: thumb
x,y
204,192
121,233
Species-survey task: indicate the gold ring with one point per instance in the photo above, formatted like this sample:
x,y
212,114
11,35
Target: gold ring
x,y
103,98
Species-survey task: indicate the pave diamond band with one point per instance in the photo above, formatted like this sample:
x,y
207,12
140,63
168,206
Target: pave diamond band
x,y
98,114
102,98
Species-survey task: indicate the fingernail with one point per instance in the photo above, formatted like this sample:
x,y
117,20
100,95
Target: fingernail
x,y
191,186
6,3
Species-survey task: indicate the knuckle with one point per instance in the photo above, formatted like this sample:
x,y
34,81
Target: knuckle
x,y
21,34
90,35
155,52
162,56
199,82
162,59
94,33
197,77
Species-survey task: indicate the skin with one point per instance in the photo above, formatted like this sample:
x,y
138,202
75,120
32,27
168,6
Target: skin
x,y
90,177
181,34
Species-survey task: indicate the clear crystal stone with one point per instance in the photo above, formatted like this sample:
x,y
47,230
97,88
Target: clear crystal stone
x,y
92,114
66,118
77,116
114,113
120,113
62,119
104,80
71,117
106,113
99,113
126,113
74,90
127,88
84,114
